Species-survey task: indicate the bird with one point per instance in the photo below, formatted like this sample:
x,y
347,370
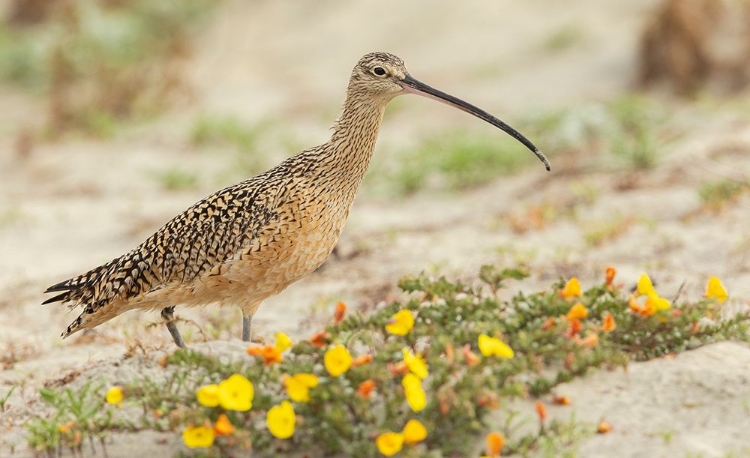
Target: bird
x,y
252,240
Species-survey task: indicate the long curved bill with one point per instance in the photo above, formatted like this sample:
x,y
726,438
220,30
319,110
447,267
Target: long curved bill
x,y
414,86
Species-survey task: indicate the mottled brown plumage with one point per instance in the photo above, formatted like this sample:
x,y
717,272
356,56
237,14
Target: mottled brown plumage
x,y
252,240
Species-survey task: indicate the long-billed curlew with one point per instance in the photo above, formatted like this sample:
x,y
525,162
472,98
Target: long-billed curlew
x,y
251,240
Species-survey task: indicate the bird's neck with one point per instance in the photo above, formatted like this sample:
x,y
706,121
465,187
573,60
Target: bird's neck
x,y
353,140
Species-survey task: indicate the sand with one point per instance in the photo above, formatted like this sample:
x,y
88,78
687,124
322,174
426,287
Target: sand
x,y
74,204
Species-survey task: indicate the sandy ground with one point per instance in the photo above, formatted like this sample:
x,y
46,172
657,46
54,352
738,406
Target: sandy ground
x,y
74,204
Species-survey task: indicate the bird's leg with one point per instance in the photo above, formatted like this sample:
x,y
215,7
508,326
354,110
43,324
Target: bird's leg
x,y
167,314
247,321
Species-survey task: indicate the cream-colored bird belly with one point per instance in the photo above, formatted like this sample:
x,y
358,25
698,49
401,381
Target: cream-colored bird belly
x,y
283,253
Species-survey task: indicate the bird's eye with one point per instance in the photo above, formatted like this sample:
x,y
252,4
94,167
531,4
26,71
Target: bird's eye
x,y
379,71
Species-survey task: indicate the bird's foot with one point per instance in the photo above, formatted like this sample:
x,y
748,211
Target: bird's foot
x,y
168,315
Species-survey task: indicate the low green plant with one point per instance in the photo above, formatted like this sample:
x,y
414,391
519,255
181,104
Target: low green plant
x,y
450,161
563,38
716,195
5,397
100,63
464,352
224,131
629,128
175,179
77,415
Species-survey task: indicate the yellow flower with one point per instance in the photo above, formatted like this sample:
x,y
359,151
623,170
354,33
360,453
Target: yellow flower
x,y
114,396
653,301
414,432
208,395
337,360
645,287
415,363
572,289
236,393
401,323
283,342
577,312
198,436
492,346
415,395
223,426
298,386
715,290
281,420
390,443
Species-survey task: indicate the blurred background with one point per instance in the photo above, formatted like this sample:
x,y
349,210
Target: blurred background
x,y
116,115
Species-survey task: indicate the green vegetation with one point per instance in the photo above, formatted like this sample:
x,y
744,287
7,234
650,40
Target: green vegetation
x,y
563,38
101,61
78,414
4,398
450,161
555,336
224,131
177,179
630,128
716,195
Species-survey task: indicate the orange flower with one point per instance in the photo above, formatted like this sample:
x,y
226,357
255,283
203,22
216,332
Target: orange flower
x,y
609,275
399,368
604,427
223,426
449,354
269,353
338,315
633,304
361,360
589,341
647,309
575,328
548,324
541,411
577,312
561,400
495,442
320,339
489,401
365,388
471,358
609,323
572,289
445,405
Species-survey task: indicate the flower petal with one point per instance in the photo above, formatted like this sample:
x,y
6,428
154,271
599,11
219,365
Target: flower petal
x,y
414,432
337,360
715,290
390,443
198,436
281,420
236,393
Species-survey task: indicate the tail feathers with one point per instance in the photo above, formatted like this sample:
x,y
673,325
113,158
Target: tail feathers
x,y
59,298
77,288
